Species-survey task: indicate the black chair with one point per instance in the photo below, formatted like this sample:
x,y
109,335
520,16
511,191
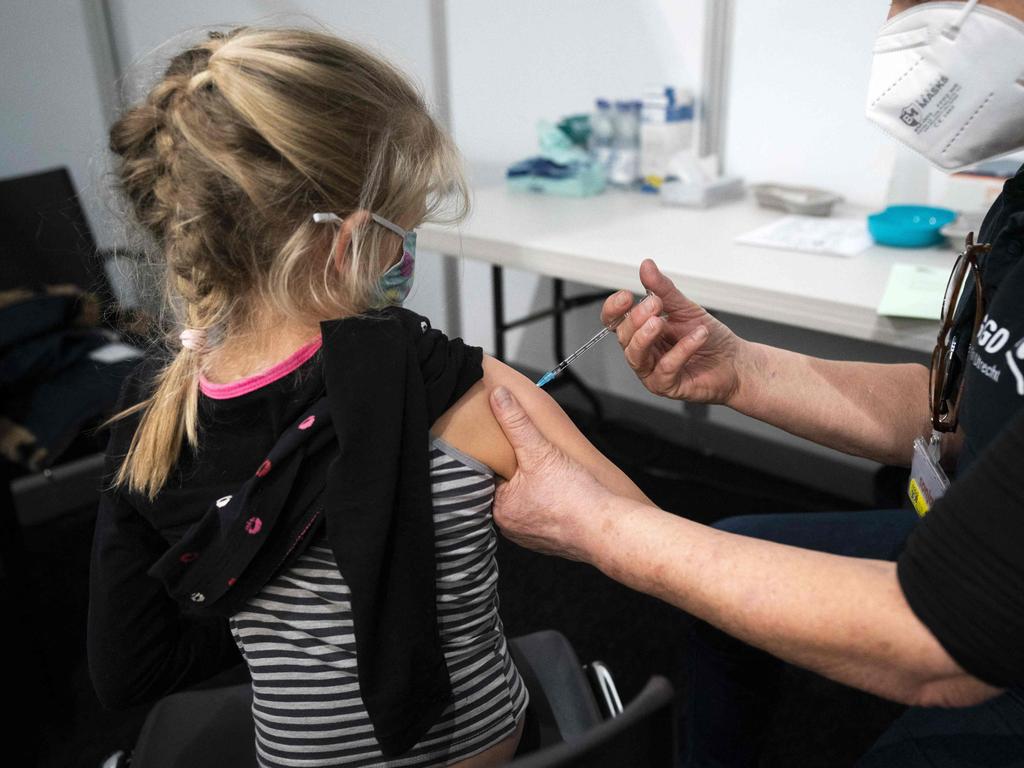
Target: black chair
x,y
45,237
210,728
643,736
562,702
213,728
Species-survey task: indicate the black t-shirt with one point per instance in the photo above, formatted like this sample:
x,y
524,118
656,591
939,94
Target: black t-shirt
x,y
994,363
963,568
962,571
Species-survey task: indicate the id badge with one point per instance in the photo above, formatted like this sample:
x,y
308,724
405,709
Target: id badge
x,y
928,481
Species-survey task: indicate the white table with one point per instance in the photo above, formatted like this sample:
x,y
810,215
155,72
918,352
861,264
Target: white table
x,y
602,240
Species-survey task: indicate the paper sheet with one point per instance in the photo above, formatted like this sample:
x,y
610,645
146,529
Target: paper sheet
x,y
914,291
815,234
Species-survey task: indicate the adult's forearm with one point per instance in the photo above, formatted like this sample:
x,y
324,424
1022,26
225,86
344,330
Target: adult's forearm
x,y
844,618
866,409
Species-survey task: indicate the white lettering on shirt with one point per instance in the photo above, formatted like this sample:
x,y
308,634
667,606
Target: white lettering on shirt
x,y
1012,356
989,371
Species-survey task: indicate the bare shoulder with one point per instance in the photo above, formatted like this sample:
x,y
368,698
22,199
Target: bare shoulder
x,y
470,426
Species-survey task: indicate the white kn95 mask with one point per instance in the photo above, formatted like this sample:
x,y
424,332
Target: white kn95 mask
x,y
947,80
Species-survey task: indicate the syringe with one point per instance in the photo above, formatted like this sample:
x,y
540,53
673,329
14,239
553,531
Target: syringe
x,y
610,328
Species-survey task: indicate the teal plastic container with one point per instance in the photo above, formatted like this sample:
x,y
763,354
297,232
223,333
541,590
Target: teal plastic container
x,y
909,226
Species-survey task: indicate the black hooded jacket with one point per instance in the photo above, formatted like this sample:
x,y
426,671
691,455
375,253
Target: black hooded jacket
x,y
346,447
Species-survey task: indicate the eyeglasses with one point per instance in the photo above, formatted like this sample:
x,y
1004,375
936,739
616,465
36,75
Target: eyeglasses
x,y
945,375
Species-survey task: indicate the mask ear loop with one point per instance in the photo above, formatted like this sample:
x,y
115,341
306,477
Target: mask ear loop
x,y
389,225
953,29
333,218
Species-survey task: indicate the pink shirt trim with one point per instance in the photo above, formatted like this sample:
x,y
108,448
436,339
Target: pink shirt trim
x,y
252,383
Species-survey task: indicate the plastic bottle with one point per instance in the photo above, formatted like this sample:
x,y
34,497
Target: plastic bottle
x,y
602,134
625,165
666,129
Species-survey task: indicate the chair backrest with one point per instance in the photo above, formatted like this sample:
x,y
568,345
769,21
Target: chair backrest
x,y
643,736
211,728
562,702
45,236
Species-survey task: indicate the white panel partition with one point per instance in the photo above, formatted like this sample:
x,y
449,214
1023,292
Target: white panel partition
x,y
397,29
798,84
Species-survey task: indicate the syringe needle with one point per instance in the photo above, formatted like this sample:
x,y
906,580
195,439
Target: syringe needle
x,y
591,342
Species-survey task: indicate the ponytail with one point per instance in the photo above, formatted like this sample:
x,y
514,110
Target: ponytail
x,y
169,414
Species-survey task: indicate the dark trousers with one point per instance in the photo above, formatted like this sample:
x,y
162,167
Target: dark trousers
x,y
733,687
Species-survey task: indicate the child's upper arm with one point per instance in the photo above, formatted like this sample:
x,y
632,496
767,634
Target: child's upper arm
x,y
470,426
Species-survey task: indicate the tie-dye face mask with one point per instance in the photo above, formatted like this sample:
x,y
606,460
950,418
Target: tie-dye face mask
x,y
396,282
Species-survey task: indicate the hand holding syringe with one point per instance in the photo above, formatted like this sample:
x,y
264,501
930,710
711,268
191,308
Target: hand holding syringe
x,y
610,328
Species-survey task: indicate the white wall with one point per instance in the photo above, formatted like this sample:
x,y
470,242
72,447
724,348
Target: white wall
x,y
51,110
397,29
797,92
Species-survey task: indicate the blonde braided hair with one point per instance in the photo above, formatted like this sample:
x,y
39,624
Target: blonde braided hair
x,y
246,135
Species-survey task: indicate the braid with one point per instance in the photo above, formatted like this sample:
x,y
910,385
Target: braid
x,y
143,141
155,158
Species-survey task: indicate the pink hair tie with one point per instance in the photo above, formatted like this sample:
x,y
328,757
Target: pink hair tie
x,y
193,338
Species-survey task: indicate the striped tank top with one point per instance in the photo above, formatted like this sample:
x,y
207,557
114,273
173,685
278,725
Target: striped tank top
x,y
296,636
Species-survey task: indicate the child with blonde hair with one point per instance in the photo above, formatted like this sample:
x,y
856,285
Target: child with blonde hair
x,y
306,476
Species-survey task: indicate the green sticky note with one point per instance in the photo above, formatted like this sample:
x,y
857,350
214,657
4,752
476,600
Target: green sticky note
x,y
914,290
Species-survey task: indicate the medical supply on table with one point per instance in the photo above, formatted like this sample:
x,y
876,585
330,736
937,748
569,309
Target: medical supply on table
x,y
610,328
577,128
806,201
625,165
814,234
914,290
957,230
666,129
691,184
935,67
909,226
562,168
602,134
540,175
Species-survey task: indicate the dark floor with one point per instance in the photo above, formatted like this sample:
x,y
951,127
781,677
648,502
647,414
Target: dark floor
x,y
816,723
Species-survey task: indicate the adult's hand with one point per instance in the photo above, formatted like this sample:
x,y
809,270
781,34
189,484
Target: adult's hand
x,y
550,503
685,355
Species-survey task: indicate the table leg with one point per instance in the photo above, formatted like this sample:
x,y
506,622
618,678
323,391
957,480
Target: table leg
x,y
569,376
498,292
